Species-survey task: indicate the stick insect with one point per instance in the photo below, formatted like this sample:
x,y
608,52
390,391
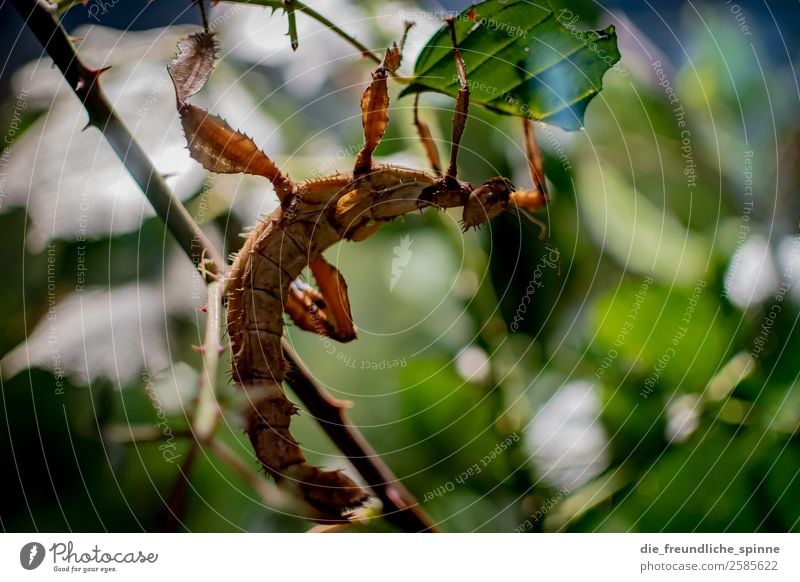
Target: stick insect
x,y
264,283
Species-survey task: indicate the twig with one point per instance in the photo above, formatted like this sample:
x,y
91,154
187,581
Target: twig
x,y
399,506
269,494
168,518
298,6
206,413
308,11
288,6
132,433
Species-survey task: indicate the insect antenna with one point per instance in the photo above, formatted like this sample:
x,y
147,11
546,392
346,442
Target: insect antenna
x,y
532,221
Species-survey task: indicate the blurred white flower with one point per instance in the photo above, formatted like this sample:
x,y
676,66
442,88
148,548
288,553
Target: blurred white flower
x,y
176,387
473,365
751,276
567,443
683,417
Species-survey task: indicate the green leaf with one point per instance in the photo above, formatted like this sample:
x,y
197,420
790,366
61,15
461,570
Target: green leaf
x,y
520,60
672,337
638,234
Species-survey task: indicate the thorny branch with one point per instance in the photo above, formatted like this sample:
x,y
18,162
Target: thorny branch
x,y
400,507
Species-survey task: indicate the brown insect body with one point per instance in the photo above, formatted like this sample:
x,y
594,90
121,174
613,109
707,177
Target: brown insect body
x,y
263,283
318,214
321,213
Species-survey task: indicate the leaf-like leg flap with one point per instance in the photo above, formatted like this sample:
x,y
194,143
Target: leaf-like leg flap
x,y
354,214
192,66
375,109
222,149
333,288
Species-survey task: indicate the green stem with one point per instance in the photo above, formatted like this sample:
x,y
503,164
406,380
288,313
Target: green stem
x,y
269,494
207,413
293,5
132,433
296,5
308,11
288,6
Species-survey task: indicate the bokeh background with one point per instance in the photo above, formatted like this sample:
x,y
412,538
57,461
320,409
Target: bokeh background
x,y
635,371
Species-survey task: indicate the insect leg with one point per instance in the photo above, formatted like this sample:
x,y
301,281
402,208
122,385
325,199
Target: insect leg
x,y
375,110
327,311
222,149
462,104
534,155
333,288
424,133
535,198
212,142
306,308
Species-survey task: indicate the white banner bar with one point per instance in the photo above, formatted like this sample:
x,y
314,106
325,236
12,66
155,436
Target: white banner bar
x,y
389,557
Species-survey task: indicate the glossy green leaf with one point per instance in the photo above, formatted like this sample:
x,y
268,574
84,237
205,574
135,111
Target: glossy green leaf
x,y
520,60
